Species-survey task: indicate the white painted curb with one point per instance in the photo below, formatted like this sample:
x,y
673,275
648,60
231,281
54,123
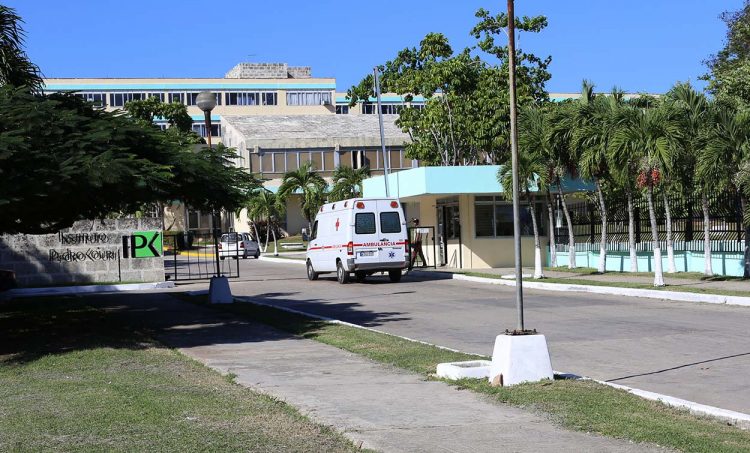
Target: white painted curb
x,y
273,259
615,291
84,289
739,419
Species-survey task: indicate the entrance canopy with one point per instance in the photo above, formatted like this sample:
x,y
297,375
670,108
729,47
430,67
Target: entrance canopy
x,y
475,179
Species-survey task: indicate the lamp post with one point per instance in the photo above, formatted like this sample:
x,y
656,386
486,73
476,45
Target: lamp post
x,y
206,101
382,134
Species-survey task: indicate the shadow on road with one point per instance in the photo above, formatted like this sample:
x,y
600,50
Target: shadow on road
x,y
687,365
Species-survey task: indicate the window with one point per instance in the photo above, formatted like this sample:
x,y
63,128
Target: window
x,y
120,99
200,129
493,217
359,159
364,223
191,98
314,233
387,109
308,98
176,97
251,98
390,222
342,109
98,99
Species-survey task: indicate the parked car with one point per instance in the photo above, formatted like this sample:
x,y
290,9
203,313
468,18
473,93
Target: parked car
x,y
362,236
237,245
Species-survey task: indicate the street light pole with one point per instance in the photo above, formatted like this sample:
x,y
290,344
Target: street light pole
x,y
206,101
382,133
514,162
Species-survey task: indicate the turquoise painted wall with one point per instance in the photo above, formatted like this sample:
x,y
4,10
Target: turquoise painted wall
x,y
724,263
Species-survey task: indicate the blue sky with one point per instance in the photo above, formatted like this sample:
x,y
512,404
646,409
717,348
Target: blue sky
x,y
636,45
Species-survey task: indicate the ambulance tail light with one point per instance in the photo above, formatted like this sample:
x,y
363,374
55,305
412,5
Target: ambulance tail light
x,y
350,248
406,248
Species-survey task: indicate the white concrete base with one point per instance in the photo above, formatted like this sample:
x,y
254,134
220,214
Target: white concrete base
x,y
473,369
520,358
83,289
219,292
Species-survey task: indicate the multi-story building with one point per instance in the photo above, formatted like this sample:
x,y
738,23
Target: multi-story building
x,y
277,117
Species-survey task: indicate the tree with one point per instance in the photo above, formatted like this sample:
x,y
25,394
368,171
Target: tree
x,y
531,172
347,182
265,205
649,133
725,160
729,69
15,67
695,118
312,186
175,113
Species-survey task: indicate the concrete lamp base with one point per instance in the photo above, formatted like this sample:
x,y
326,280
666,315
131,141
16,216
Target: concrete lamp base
x,y
473,369
219,292
520,358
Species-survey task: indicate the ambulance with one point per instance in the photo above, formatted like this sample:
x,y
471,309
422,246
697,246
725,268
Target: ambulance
x,y
359,236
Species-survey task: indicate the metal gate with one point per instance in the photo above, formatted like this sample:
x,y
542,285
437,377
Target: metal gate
x,y
201,255
423,235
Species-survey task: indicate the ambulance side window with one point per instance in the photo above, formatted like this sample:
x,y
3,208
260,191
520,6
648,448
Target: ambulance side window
x,y
390,222
314,233
364,223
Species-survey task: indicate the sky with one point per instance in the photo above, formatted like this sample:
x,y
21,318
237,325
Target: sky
x,y
636,45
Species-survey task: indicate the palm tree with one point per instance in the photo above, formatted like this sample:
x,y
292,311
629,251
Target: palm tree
x,y
265,205
725,160
306,180
347,182
531,168
15,67
651,134
695,118
564,163
535,137
593,130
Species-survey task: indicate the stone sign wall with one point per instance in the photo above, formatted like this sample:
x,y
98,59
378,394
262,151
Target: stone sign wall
x,y
89,251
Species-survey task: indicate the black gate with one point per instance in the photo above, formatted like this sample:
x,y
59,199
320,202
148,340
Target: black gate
x,y
202,255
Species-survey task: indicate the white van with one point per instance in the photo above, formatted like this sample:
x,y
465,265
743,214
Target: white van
x,y
361,236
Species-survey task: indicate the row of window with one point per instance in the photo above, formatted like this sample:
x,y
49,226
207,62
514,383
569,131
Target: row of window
x,y
231,98
493,217
388,109
284,161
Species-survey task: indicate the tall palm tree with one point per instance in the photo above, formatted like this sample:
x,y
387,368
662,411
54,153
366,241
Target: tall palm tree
x,y
725,160
593,130
265,205
347,182
15,67
695,117
565,164
531,168
651,134
312,186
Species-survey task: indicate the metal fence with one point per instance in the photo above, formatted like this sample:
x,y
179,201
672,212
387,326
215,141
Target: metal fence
x,y
197,256
725,225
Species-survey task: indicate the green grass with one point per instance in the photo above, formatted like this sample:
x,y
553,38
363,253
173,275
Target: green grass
x,y
73,379
681,275
286,240
584,281
579,405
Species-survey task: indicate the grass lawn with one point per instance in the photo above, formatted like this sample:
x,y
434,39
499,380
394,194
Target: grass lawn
x,y
682,275
72,379
579,405
582,280
287,240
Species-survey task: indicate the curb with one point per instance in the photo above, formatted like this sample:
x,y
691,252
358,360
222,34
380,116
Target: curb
x,y
615,291
739,419
84,289
273,259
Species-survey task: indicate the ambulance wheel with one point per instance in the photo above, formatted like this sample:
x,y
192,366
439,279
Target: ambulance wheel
x,y
341,274
360,276
311,274
395,276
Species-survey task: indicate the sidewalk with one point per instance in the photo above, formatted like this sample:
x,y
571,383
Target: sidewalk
x,y
382,408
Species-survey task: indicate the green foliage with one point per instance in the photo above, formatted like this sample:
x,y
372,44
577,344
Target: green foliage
x,y
15,67
347,182
265,205
308,181
729,69
466,116
62,160
174,113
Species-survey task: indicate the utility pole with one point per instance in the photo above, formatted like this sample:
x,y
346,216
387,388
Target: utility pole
x,y
514,162
382,133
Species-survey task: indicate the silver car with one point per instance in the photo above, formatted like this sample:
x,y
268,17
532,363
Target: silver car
x,y
237,245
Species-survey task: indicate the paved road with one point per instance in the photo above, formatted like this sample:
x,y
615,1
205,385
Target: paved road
x,y
698,352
